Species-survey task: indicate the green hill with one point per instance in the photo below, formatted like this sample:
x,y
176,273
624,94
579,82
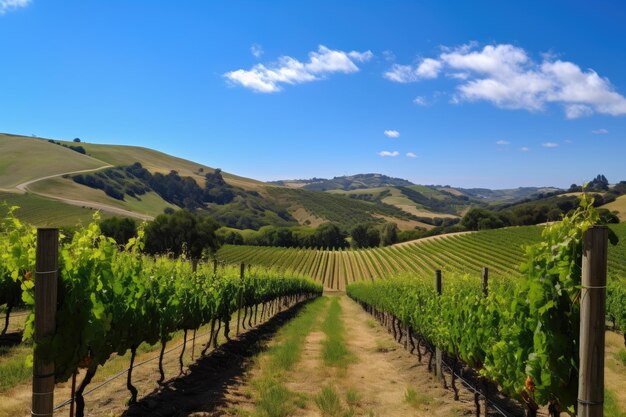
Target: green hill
x,y
24,159
43,167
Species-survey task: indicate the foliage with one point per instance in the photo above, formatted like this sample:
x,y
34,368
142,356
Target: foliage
x,y
365,236
525,331
111,299
182,232
388,234
121,229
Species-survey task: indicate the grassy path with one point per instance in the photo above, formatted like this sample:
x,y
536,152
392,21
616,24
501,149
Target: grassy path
x,y
348,366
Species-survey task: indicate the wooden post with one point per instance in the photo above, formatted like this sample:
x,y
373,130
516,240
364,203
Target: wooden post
x,y
46,276
241,275
592,322
214,267
438,353
484,387
486,281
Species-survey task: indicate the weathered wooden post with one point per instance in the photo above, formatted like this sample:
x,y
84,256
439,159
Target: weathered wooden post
x,y
241,275
438,353
592,322
482,380
486,281
46,276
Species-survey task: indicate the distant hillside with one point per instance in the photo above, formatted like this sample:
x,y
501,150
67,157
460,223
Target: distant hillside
x,y
506,195
62,176
100,177
345,183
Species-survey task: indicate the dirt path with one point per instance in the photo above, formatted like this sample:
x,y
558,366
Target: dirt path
x,y
383,372
375,382
23,187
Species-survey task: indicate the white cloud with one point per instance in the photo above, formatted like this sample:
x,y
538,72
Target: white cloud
x,y
524,149
503,142
8,5
361,56
389,55
508,77
550,145
388,153
269,79
420,101
427,69
411,155
256,50
600,132
574,111
392,133
568,141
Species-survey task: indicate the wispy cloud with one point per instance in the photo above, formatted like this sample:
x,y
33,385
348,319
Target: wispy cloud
x,y
503,142
524,149
389,55
600,132
427,68
550,145
288,70
392,133
420,101
8,5
256,50
388,153
508,77
411,155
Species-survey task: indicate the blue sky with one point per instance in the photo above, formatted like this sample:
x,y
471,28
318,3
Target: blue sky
x,y
485,93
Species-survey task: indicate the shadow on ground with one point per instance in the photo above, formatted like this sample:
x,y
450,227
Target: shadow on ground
x,y
11,339
203,389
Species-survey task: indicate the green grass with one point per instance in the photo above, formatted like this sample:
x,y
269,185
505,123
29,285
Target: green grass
x,y
284,355
329,403
611,406
41,211
14,368
416,400
24,158
271,396
334,349
621,356
353,398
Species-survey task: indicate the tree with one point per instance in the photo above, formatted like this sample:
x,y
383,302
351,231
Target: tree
x,y
120,229
599,183
182,232
77,140
365,235
329,235
389,234
480,219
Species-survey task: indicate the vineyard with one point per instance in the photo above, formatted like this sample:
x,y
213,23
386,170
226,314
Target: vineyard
x,y
113,299
522,335
500,250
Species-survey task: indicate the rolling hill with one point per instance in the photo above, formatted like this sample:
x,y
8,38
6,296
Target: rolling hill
x,y
44,170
